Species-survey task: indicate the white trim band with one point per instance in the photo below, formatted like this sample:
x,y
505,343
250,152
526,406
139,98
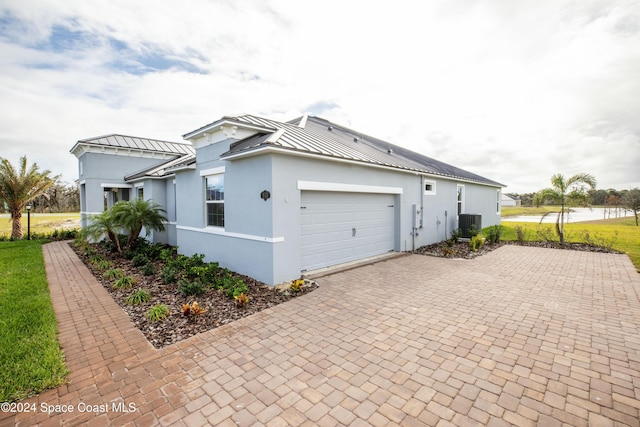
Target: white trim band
x,y
115,185
212,171
347,188
221,232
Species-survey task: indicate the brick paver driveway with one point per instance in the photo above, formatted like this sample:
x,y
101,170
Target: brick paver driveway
x,y
521,336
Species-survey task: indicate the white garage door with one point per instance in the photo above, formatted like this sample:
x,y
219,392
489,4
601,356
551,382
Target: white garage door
x,y
343,227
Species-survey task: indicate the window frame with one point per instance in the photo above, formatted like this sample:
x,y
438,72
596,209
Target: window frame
x,y
459,199
215,201
432,183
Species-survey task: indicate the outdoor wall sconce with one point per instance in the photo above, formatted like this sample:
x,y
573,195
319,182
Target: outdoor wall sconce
x,y
265,195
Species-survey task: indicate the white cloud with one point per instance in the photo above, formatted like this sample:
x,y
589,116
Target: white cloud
x,y
515,91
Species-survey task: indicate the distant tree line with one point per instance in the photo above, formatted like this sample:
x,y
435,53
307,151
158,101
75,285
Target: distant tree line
x,y
605,198
615,200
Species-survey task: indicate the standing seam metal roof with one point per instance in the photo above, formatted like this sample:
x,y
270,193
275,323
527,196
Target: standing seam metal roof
x,y
123,141
321,137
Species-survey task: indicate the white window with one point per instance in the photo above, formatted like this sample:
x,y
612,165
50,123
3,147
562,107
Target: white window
x,y
214,200
460,199
140,193
429,187
498,200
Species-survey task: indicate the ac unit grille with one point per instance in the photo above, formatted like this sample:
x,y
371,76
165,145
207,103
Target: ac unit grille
x,y
466,223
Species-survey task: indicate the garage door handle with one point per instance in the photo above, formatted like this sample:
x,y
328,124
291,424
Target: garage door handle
x,y
353,232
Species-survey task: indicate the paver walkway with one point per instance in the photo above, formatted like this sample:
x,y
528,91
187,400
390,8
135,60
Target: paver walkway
x,y
521,336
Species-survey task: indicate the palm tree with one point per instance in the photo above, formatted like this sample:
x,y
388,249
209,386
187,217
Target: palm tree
x,y
101,224
137,214
565,192
19,187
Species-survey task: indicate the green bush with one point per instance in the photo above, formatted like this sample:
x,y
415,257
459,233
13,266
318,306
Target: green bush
x,y
234,286
125,282
139,260
113,274
189,288
148,269
138,297
494,233
169,274
521,233
158,312
476,243
153,251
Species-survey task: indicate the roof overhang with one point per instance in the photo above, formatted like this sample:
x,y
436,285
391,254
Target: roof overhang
x,y
271,149
228,125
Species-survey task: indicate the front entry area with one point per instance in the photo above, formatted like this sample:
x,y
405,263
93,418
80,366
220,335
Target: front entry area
x,y
341,227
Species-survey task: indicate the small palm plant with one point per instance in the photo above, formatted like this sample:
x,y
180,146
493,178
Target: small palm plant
x,y
101,224
138,214
566,192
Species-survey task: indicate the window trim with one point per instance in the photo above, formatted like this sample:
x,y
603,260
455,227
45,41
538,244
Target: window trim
x,y
211,202
432,183
498,201
460,203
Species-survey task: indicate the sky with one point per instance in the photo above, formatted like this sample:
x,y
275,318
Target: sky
x,y
515,91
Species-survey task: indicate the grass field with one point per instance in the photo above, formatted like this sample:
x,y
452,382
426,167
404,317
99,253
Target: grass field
x,y
621,234
30,356
528,210
42,223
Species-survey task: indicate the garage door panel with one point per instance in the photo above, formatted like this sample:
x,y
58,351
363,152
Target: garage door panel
x,y
328,223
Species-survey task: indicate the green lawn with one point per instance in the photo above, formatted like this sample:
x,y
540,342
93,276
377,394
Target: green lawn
x,y
621,233
30,356
528,210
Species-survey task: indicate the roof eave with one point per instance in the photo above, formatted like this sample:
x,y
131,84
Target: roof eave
x,y
269,148
225,121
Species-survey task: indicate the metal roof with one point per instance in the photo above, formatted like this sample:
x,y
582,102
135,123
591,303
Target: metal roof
x,y
132,142
164,169
324,138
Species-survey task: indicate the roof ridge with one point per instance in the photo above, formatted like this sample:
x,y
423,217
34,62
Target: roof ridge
x,y
131,136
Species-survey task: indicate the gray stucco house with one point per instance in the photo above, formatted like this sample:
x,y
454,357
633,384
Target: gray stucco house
x,y
272,199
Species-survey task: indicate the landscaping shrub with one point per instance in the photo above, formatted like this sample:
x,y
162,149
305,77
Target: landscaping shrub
x,y
233,286
158,312
125,282
494,233
113,274
139,260
152,251
189,288
148,269
169,274
546,234
138,297
207,273
521,233
476,243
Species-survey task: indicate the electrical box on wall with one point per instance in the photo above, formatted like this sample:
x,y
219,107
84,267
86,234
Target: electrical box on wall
x,y
417,216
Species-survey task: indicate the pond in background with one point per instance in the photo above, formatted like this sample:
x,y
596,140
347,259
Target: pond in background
x,y
576,215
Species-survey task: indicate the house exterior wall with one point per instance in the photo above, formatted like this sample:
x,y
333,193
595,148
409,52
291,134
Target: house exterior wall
x,y
245,243
262,238
97,169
